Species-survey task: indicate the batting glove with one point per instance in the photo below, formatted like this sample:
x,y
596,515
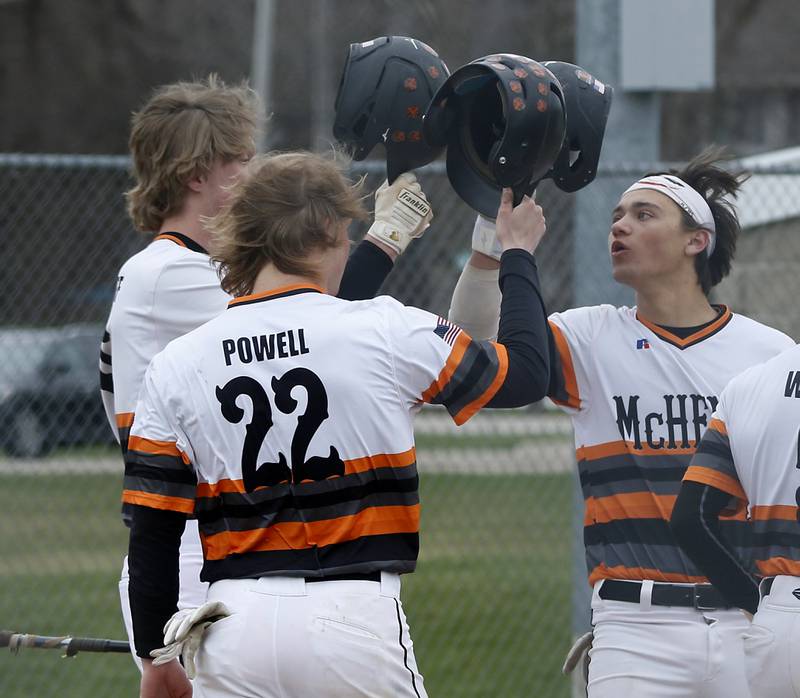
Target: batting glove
x,y
184,632
402,212
484,238
579,653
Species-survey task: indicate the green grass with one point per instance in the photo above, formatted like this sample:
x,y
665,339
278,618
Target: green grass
x,y
488,606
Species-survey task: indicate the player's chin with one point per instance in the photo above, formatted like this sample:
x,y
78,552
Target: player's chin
x,y
622,273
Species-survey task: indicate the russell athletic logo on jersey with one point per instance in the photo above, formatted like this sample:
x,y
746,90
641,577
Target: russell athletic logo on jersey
x,y
680,424
642,344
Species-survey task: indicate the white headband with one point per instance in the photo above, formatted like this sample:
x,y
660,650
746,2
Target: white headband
x,y
686,197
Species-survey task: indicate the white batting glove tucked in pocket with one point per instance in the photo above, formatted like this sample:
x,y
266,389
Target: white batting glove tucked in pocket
x,y
184,632
402,212
484,238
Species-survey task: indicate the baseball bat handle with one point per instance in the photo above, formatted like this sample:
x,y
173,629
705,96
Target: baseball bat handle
x,y
92,644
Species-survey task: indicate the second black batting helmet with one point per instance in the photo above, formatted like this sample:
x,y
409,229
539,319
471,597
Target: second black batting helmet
x,y
588,102
503,122
385,88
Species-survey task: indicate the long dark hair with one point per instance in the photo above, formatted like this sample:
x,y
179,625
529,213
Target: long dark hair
x,y
715,184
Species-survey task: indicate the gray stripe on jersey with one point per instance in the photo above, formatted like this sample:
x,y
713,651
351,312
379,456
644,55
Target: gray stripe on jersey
x,y
287,515
714,453
458,393
169,489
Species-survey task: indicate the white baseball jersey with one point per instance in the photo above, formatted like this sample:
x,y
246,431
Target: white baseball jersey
x,y
163,292
640,399
751,452
285,425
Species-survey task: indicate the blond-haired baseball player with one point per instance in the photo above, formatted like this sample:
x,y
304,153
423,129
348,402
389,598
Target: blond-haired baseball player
x,y
749,459
285,425
189,143
640,385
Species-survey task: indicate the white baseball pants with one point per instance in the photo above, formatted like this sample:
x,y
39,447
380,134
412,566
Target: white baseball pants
x,y
288,638
645,651
192,590
772,644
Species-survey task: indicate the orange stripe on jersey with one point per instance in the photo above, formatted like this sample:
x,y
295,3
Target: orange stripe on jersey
x,y
714,478
621,448
124,419
457,353
782,512
374,521
640,573
356,465
274,292
502,369
778,565
166,236
567,369
156,448
158,501
381,460
718,425
634,505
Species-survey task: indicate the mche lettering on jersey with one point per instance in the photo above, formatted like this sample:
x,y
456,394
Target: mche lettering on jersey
x,y
264,347
683,416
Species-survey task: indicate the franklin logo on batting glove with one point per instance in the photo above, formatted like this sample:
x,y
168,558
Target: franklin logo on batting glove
x,y
402,212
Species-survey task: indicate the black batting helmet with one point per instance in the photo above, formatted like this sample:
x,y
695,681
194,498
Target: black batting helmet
x,y
502,120
588,102
385,88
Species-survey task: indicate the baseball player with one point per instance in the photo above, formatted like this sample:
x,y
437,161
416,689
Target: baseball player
x,y
749,458
286,426
189,143
640,385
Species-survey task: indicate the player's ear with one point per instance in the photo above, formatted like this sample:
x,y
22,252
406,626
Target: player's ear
x,y
698,241
197,181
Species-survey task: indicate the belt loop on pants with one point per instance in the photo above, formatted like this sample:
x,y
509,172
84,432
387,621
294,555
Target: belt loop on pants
x,y
646,595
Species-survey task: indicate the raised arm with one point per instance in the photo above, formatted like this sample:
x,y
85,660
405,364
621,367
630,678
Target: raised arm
x,y
402,213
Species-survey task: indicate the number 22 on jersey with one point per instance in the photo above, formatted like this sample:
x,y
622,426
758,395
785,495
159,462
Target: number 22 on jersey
x,y
268,474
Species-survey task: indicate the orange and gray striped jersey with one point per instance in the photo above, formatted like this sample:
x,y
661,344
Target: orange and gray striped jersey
x,y
285,426
163,292
640,398
751,451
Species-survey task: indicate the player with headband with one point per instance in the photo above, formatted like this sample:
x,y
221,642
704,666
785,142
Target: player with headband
x,y
640,385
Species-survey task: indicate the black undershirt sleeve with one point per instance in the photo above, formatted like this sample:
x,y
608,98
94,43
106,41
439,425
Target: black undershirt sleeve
x,y
523,331
366,270
695,523
155,537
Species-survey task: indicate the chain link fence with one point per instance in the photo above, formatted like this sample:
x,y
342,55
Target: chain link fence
x,y
490,603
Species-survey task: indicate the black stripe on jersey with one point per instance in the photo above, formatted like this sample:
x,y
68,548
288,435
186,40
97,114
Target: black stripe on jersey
x,y
186,240
288,514
463,385
396,552
674,474
235,303
654,532
405,649
236,506
106,382
106,337
155,461
148,472
716,447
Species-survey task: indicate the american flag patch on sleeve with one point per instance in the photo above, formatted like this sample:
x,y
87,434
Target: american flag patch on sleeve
x,y
447,330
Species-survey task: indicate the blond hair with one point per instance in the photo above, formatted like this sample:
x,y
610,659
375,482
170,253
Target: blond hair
x,y
284,208
179,134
